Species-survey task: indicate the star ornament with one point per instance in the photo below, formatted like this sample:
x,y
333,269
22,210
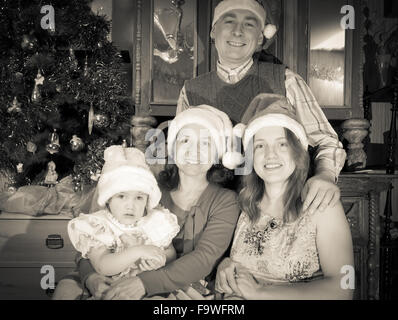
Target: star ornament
x,y
39,79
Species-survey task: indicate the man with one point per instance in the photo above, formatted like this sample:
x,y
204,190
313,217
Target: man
x,y
238,29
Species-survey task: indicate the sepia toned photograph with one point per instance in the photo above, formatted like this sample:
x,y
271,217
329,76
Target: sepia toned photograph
x,y
215,152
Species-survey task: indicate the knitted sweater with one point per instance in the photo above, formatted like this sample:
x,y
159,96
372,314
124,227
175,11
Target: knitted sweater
x,y
233,99
214,219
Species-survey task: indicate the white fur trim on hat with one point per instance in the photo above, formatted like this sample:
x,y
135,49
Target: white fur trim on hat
x,y
128,178
125,169
239,130
250,5
275,120
198,116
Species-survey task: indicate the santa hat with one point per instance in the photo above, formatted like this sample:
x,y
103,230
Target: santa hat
x,y
269,110
269,29
125,169
220,127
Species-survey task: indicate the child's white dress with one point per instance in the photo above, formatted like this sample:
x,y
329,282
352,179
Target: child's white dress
x,y
100,228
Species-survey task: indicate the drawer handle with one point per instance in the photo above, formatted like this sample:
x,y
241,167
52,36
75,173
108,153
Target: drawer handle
x,y
54,241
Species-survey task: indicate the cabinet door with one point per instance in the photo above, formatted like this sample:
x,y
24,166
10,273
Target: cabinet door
x,y
172,43
326,54
354,208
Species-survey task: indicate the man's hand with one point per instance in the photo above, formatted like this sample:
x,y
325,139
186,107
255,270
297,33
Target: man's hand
x,y
98,284
225,279
126,289
319,192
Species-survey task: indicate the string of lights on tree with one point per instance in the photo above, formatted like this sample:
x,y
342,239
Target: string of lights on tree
x,y
62,95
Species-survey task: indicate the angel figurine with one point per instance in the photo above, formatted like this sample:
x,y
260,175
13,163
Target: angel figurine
x,y
51,176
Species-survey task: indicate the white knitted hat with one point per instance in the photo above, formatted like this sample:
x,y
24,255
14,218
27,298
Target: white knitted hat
x,y
125,169
269,29
220,127
269,110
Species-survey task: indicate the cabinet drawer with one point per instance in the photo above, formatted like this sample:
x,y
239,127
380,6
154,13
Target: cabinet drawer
x,y
35,242
24,283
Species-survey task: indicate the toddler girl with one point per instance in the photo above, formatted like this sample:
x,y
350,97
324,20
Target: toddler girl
x,y
132,233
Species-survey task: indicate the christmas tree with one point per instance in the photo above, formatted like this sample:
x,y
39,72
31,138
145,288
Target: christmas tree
x,y
62,95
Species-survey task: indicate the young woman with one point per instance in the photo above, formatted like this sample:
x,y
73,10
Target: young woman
x,y
278,247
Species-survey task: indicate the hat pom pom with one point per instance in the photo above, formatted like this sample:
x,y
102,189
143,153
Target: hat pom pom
x,y
231,160
238,130
269,31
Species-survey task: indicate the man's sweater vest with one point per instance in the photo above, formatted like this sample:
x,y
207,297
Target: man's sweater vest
x,y
233,99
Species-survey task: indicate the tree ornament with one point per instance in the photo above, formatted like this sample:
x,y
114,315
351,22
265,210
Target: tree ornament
x,y
90,118
76,143
53,146
29,42
101,120
15,107
97,120
73,60
51,175
36,95
95,176
31,147
85,71
20,167
77,180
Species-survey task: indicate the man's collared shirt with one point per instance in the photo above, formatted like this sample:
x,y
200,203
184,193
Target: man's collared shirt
x,y
233,75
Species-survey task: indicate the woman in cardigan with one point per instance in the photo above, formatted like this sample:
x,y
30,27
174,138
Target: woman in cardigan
x,y
277,245
206,212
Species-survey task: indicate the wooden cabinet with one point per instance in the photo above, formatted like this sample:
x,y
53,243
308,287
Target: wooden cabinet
x,y
26,245
360,195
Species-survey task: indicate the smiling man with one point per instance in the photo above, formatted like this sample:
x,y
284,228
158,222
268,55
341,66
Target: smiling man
x,y
238,30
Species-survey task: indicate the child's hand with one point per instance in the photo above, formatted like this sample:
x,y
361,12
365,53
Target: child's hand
x,y
151,264
130,241
149,252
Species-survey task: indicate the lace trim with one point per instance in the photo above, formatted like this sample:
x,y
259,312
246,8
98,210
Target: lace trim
x,y
121,226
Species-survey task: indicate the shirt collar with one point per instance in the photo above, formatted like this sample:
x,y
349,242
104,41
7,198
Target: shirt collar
x,y
233,75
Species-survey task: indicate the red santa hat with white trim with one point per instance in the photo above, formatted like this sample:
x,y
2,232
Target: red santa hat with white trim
x,y
220,127
269,110
268,27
